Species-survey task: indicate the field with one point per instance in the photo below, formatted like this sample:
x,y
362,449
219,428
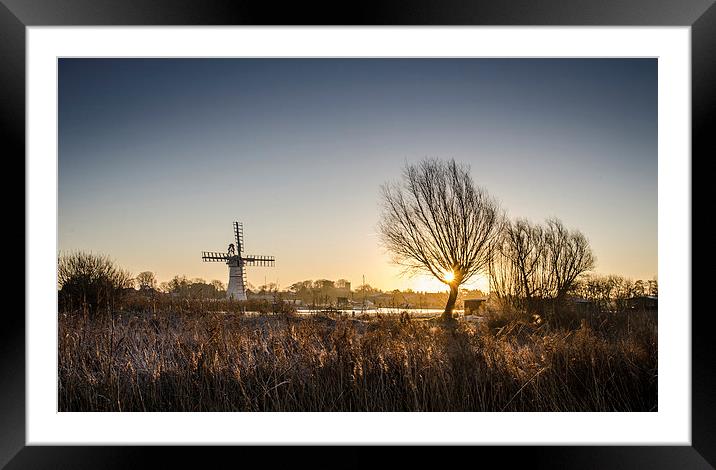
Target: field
x,y
189,356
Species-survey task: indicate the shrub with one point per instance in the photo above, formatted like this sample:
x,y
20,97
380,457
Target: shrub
x,y
90,281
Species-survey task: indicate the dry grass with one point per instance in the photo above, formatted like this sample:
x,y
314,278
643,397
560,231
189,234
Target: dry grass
x,y
181,357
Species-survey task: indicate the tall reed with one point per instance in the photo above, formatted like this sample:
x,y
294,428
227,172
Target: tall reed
x,y
192,358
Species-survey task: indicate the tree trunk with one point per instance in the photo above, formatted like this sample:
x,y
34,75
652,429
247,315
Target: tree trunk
x,y
447,314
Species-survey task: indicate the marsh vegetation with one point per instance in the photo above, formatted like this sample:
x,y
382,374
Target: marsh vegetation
x,y
185,355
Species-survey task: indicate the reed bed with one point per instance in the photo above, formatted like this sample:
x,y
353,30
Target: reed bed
x,y
193,357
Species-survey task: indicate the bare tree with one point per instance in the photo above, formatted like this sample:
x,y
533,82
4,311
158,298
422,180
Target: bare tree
x,y
568,255
219,286
439,222
534,263
639,288
517,264
179,285
146,281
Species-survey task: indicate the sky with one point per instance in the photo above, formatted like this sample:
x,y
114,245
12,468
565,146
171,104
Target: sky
x,y
157,157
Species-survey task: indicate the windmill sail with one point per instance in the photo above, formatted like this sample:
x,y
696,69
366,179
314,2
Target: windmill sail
x,y
214,256
239,236
259,260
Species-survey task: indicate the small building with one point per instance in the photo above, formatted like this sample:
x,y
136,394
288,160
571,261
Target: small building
x,y
585,306
474,306
341,302
267,296
342,288
644,303
585,310
363,303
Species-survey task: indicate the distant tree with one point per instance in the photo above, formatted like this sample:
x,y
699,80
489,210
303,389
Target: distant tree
x,y
90,281
622,290
198,288
439,222
267,288
146,281
218,286
323,284
654,287
639,288
301,287
367,289
600,289
611,292
179,285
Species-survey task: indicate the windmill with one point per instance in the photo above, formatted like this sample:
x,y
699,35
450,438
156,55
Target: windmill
x,y
236,260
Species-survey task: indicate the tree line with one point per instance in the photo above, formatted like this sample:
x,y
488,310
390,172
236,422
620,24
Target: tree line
x,y
613,292
94,281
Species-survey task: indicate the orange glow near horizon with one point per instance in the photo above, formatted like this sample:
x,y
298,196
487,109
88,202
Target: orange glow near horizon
x,y
427,283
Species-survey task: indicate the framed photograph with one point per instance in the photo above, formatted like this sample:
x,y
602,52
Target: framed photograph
x,y
438,226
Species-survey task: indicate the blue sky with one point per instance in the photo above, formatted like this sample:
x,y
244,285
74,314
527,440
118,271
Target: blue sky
x,y
158,156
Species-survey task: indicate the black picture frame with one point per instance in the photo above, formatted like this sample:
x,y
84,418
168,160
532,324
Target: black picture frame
x,y
16,15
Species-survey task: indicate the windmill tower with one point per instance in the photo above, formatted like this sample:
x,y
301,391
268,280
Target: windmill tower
x,y
236,261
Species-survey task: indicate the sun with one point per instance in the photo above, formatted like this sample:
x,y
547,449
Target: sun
x,y
449,276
